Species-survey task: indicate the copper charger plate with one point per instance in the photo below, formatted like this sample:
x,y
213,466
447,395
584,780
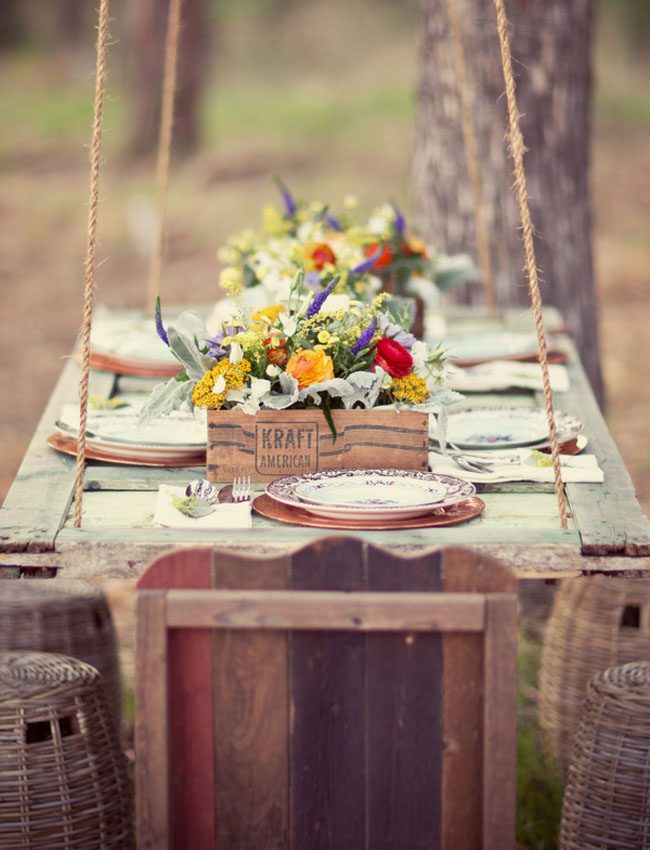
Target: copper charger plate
x,y
68,446
462,512
136,368
554,356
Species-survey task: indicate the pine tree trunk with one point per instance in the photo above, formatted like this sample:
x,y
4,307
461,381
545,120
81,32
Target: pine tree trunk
x,y
148,28
551,46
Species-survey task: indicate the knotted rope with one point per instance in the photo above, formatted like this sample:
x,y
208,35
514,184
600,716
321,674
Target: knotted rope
x,y
471,155
164,147
517,149
89,287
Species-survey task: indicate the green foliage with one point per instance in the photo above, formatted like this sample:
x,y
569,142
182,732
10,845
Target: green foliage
x,y
539,789
192,506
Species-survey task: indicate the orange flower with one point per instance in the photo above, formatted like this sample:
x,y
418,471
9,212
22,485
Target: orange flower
x,y
384,259
275,351
310,366
317,255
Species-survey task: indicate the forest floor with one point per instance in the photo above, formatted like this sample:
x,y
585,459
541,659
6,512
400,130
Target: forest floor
x,y
332,122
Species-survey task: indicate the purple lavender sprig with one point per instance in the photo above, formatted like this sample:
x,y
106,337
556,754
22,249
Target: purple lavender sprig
x,y
214,342
332,222
400,221
364,339
290,206
160,328
368,263
319,299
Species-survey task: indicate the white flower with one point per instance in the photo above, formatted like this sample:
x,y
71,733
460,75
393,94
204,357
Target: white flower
x,y
334,302
219,385
419,353
272,370
288,324
236,353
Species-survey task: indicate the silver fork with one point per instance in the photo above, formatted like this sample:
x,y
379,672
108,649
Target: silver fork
x,y
241,488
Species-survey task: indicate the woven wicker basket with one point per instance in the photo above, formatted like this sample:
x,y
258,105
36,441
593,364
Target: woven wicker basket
x,y
63,778
607,799
595,623
67,616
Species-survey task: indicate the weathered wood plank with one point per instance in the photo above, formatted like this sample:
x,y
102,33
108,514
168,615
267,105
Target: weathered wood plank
x,y
464,693
532,512
500,721
404,710
190,730
38,501
326,610
251,716
151,724
327,752
608,516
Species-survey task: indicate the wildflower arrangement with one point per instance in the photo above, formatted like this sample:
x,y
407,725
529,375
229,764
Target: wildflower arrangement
x,y
301,354
361,256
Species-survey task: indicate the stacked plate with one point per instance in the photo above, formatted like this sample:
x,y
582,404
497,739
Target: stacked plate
x,y
386,497
473,349
175,440
129,345
506,427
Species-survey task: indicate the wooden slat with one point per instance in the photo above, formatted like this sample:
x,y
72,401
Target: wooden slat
x,y
151,726
331,611
463,571
327,752
500,719
608,516
190,706
251,718
38,501
404,714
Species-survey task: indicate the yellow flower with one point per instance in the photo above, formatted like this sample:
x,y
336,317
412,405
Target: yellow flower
x,y
267,315
411,389
309,367
275,223
231,279
324,336
211,390
350,202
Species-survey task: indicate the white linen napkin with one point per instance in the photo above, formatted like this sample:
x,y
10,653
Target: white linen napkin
x,y
574,468
226,515
505,374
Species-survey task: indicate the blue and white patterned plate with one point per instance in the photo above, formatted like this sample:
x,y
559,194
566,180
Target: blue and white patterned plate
x,y
506,427
370,493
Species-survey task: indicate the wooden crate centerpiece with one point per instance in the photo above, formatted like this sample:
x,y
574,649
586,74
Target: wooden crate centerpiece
x,y
275,443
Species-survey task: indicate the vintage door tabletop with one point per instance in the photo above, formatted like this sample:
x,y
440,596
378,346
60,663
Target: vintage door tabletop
x,y
608,531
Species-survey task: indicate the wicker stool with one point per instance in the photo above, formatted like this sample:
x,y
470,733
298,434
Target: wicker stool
x,y
607,799
67,616
596,623
63,779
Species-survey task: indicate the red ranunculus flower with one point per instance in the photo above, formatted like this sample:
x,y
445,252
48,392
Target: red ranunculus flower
x,y
393,358
317,255
384,259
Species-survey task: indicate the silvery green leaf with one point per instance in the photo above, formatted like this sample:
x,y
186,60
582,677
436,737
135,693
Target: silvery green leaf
x,y
192,506
336,388
288,396
186,335
165,398
366,389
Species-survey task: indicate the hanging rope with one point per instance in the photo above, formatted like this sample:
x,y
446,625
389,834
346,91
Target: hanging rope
x,y
517,149
471,154
89,287
164,147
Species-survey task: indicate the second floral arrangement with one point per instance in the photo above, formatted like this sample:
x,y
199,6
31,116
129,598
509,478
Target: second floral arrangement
x,y
308,352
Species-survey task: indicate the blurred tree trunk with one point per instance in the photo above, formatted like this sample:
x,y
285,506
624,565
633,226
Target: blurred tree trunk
x,y
147,32
12,24
551,46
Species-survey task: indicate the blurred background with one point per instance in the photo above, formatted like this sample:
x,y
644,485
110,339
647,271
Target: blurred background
x,y
322,93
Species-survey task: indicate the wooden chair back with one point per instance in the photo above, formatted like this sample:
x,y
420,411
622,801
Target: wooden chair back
x,y
341,697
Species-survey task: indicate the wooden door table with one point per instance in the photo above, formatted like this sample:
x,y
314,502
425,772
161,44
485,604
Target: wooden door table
x,y
608,531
